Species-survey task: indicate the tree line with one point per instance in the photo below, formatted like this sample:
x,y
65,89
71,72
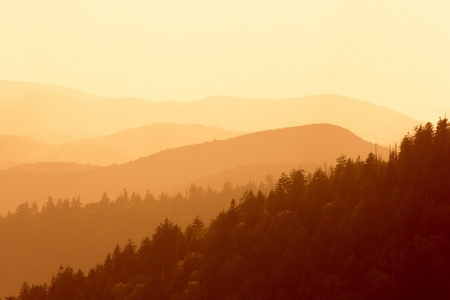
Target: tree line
x,y
365,229
35,239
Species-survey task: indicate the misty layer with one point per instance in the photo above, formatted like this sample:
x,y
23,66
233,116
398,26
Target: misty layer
x,y
50,109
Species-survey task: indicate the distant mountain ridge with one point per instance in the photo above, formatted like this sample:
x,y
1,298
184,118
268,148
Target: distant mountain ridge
x,y
119,147
175,168
369,121
130,144
66,112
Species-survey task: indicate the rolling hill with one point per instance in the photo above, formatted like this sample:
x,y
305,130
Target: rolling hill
x,y
131,144
174,168
120,147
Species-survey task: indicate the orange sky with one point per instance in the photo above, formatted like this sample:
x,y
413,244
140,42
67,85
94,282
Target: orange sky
x,y
392,54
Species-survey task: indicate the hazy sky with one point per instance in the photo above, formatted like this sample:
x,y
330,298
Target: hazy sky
x,y
392,53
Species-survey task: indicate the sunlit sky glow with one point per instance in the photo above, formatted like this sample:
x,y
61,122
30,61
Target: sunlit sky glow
x,y
392,53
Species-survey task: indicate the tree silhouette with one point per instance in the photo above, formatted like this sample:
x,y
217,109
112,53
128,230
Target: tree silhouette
x,y
370,230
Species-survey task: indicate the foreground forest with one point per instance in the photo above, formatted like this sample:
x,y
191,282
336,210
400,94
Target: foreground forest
x,y
365,229
36,240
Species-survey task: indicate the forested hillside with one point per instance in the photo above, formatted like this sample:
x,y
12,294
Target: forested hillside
x,y
36,240
366,229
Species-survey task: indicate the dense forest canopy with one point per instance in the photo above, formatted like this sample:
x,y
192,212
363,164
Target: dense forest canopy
x,y
365,229
36,240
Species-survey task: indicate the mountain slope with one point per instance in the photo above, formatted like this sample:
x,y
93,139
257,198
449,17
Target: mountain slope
x,y
53,136
15,149
50,167
174,168
371,122
16,89
130,144
119,147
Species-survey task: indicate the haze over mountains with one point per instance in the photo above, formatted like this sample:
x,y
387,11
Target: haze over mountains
x,y
15,89
62,144
224,150
123,146
55,109
16,149
175,168
72,129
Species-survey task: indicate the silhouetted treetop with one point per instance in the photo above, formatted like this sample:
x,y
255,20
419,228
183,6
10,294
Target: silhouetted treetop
x,y
365,229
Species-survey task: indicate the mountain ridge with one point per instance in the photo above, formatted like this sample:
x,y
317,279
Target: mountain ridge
x,y
372,122
173,169
129,144
119,147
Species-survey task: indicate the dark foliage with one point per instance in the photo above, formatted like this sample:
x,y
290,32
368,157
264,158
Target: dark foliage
x,y
35,241
368,229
